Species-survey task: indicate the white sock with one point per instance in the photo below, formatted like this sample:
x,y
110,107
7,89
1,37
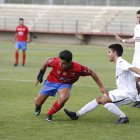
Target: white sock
x,y
138,97
114,109
88,107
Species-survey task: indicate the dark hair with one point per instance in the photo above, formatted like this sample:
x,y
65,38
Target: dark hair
x,y
21,19
117,48
138,12
65,55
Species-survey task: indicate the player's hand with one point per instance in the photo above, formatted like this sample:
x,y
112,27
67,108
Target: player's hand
x,y
104,91
28,40
36,83
118,38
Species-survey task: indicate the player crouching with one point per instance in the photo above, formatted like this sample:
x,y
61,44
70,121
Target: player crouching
x,y
64,73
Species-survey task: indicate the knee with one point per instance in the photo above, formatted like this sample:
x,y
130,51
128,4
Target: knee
x,y
103,102
63,99
99,99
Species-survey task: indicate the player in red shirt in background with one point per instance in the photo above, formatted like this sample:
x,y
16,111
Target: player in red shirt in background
x,y
64,73
21,38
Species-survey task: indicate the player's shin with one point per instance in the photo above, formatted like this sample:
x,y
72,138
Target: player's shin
x,y
16,57
87,108
114,109
23,58
55,108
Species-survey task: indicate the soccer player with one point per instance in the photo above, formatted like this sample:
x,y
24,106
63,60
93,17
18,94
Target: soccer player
x,y
136,57
124,94
64,74
21,38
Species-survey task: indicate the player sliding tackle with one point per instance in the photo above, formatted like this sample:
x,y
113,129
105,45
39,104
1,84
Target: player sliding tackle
x,y
125,93
64,73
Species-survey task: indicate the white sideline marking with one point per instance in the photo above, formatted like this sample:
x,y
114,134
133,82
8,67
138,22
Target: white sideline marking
x,y
32,81
17,80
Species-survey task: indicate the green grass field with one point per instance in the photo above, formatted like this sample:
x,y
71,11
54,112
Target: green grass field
x,y
17,93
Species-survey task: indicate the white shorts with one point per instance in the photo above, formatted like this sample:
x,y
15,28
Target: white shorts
x,y
136,63
120,97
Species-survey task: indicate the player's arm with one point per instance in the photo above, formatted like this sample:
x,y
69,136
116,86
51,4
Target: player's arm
x,y
41,73
99,83
129,40
136,70
15,37
28,37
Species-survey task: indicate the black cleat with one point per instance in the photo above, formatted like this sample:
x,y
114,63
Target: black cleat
x,y
123,120
15,65
72,115
23,65
49,118
136,104
37,110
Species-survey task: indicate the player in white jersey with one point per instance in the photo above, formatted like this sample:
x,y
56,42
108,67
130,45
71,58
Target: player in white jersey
x,y
125,93
136,57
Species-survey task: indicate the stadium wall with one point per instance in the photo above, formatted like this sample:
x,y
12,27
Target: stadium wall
x,y
65,38
76,39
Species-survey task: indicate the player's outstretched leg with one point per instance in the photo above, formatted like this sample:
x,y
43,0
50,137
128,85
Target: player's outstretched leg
x,y
71,114
113,108
85,109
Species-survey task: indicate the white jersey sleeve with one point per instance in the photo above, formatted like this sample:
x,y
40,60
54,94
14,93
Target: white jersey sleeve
x,y
124,65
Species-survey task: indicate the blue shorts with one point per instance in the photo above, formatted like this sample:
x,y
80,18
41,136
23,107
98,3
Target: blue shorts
x,y
21,45
50,88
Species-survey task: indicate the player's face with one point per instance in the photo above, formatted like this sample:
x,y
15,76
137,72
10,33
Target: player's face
x,y
65,65
21,22
138,18
111,55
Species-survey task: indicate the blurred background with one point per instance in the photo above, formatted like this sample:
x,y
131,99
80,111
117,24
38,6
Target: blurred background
x,y
78,2
70,21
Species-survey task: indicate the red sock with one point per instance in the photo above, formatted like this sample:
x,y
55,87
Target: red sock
x,y
16,57
56,107
23,58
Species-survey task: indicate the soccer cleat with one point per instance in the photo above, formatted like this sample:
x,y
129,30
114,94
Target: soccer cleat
x,y
136,104
23,65
15,65
123,120
49,118
37,110
72,115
